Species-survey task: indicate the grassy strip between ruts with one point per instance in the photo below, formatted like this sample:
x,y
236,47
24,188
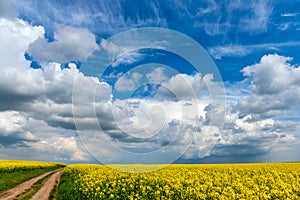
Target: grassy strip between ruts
x,y
54,192
10,180
30,192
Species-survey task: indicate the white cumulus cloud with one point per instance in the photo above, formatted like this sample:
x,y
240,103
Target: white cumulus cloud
x,y
70,44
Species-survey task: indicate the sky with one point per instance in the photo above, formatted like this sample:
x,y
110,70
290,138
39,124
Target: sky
x,y
166,81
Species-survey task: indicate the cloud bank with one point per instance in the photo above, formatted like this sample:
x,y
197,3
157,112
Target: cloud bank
x,y
36,105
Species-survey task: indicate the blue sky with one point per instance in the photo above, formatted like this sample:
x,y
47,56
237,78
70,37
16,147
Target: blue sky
x,y
56,105
231,31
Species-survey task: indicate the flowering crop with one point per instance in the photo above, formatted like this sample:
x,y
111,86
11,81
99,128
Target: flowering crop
x,y
22,165
232,181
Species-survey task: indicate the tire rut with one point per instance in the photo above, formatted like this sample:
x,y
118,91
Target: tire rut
x,y
14,192
49,184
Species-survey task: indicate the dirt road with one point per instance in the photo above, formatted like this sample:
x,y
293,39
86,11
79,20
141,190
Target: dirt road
x,y
12,193
44,192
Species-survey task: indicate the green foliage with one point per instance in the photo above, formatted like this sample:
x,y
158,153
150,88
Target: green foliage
x,y
66,188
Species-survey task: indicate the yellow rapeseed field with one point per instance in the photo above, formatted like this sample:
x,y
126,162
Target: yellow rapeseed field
x,y
23,165
224,181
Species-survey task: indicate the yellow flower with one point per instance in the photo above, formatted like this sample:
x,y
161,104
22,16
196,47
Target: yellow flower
x,y
235,181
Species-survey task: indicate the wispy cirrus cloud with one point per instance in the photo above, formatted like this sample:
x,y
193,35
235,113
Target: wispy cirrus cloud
x,y
228,51
289,14
100,17
258,18
255,18
239,50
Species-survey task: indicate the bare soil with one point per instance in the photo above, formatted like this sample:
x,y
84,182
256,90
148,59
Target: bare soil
x,y
44,192
50,183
